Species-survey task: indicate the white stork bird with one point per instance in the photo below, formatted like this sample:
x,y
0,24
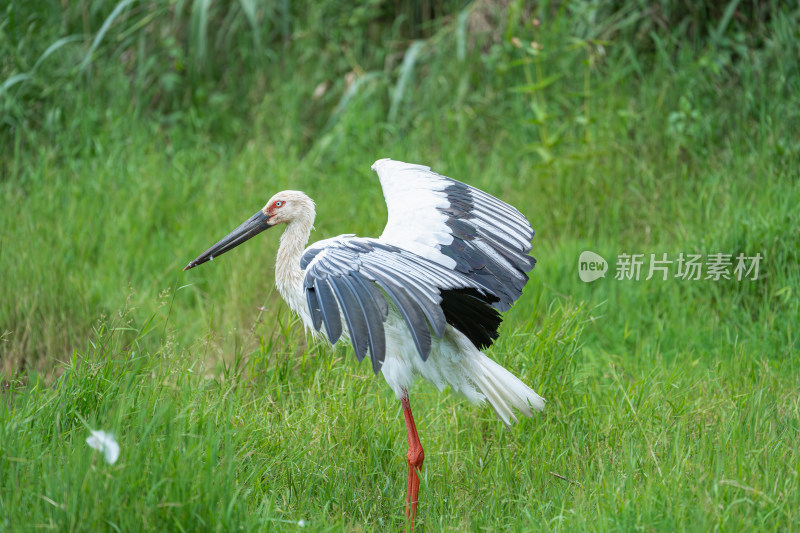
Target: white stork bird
x,y
423,299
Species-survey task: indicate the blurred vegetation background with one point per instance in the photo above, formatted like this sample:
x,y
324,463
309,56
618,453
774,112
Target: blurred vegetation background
x,y
134,134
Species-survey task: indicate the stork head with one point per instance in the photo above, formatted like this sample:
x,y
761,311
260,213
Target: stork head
x,y
287,207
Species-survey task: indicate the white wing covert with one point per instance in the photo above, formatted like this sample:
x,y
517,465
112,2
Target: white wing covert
x,y
457,226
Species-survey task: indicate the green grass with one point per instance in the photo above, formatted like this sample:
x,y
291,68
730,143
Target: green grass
x,y
672,405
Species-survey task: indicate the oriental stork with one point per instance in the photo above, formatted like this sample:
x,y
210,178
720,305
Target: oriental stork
x,y
423,299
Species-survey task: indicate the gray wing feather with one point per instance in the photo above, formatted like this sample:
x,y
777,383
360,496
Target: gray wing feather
x,y
353,312
413,316
375,294
329,309
373,318
428,306
314,308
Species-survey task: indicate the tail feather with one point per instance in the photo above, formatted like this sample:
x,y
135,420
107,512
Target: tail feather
x,y
493,396
503,391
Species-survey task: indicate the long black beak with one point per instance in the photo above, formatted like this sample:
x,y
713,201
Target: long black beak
x,y
251,227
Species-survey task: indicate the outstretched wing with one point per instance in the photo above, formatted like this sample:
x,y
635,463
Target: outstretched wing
x,y
352,277
457,226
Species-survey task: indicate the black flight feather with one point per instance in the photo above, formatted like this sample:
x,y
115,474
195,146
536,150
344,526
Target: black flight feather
x,y
471,313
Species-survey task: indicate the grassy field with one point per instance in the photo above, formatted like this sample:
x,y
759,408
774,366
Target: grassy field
x,y
133,145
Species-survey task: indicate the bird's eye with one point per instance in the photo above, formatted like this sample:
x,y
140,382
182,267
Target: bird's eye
x,y
278,203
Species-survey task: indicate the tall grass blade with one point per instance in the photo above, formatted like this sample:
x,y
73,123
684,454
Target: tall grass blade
x,y
13,80
249,8
348,95
102,33
53,48
461,34
25,76
199,36
406,71
726,19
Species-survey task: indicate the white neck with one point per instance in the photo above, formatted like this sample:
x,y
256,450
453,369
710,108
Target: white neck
x,y
288,274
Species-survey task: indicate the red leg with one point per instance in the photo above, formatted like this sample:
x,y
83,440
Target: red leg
x,y
415,457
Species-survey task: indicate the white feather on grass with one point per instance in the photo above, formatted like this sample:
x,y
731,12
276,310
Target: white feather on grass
x,y
104,442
